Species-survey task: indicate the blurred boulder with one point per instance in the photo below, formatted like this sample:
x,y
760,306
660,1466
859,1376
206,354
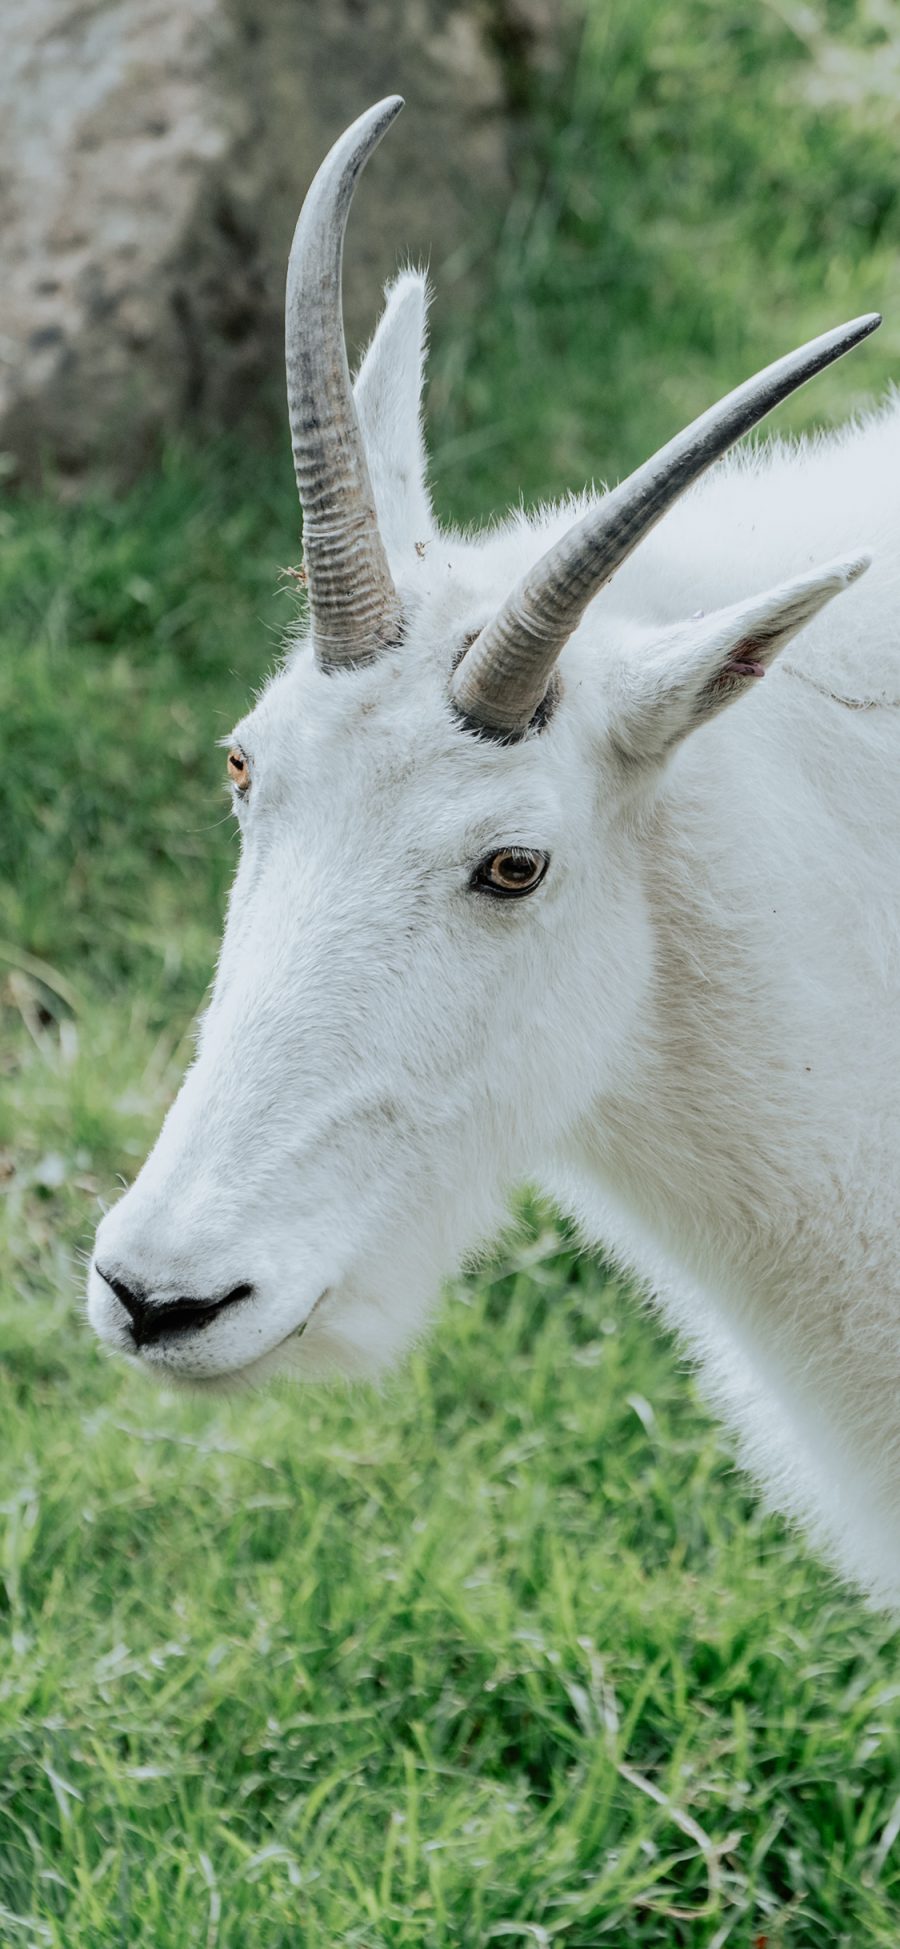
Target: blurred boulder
x,y
153,156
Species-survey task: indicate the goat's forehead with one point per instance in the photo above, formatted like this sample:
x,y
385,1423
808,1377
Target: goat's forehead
x,y
384,736
449,592
390,724
389,714
450,587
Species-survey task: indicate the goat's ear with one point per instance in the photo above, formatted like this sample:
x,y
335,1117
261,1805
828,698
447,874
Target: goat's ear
x,y
388,395
668,688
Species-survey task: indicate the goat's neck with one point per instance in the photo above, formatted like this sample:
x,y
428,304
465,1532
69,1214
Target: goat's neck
x,y
706,1137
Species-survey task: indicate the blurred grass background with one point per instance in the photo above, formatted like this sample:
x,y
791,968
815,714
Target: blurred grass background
x,y
509,1652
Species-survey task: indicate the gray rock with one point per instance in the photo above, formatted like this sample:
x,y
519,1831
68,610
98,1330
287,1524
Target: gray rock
x,y
153,156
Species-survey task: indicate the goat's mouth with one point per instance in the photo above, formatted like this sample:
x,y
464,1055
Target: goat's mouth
x,y
244,1332
181,1317
186,1355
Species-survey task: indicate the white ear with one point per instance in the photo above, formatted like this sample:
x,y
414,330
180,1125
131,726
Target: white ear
x,y
697,667
388,393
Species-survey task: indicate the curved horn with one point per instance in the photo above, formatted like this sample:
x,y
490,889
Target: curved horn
x,y
503,678
353,602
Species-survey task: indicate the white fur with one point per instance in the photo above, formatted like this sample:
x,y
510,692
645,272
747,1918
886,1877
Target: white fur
x,y
690,1034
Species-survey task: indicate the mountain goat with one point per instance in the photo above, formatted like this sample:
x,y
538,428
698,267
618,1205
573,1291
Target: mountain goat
x,y
538,881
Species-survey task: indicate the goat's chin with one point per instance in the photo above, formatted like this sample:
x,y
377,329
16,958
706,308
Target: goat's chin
x,y
359,1343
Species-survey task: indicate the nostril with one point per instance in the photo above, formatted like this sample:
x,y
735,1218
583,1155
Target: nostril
x,y
131,1297
151,1321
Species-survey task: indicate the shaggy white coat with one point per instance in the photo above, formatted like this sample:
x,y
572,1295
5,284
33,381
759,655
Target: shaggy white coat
x,y
689,1035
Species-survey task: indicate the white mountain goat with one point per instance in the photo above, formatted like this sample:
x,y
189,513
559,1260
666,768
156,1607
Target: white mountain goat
x,y
547,886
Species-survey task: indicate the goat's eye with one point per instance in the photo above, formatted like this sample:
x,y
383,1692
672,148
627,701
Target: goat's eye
x,y
238,770
512,871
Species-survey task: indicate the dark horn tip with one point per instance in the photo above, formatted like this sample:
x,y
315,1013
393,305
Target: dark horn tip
x,y
869,322
377,120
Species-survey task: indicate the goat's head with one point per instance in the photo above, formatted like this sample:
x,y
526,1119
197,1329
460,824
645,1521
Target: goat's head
x,y
435,797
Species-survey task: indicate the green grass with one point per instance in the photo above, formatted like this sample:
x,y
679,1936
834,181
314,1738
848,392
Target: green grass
x,y
719,184
507,1653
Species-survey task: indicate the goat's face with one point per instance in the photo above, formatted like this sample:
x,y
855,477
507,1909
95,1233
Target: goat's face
x,y
397,1024
436,944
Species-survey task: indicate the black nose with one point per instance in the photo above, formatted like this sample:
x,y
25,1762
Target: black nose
x,y
152,1320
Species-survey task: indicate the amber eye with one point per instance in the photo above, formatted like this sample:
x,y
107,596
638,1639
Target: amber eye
x,y
238,770
512,871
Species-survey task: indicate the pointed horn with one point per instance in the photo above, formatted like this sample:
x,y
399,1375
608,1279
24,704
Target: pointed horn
x,y
353,602
503,678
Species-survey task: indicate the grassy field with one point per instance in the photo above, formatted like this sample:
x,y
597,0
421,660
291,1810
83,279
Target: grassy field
x,y
507,1653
